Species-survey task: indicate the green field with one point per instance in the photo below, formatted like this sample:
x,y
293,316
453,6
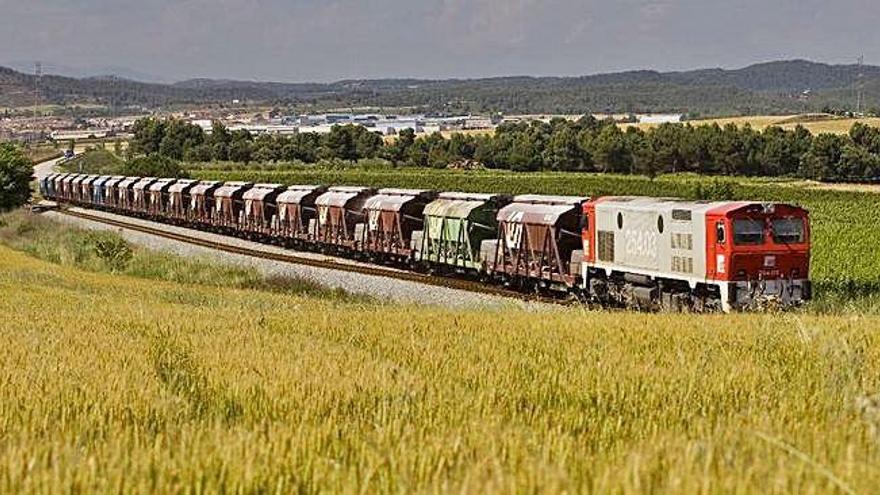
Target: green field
x,y
846,224
121,384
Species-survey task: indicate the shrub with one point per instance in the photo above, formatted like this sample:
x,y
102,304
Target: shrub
x,y
16,173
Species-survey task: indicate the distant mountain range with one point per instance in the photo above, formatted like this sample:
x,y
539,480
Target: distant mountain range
x,y
53,69
773,87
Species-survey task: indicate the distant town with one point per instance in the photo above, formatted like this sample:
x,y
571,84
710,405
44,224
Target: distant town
x,y
24,128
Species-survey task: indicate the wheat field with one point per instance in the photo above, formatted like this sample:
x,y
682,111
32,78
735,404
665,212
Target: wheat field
x,y
117,384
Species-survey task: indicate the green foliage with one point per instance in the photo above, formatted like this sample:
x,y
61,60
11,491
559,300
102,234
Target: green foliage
x,y
16,172
154,166
94,161
111,249
583,145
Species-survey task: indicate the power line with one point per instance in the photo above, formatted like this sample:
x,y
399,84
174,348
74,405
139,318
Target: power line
x,y
38,74
859,84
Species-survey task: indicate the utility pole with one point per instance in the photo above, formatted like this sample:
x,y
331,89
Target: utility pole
x,y
38,74
859,88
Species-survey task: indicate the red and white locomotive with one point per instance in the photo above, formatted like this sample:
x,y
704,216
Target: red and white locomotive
x,y
701,255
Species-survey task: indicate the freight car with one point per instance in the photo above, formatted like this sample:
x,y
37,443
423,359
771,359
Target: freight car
x,y
634,252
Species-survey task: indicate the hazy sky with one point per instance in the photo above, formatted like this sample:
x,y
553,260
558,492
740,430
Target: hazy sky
x,y
320,40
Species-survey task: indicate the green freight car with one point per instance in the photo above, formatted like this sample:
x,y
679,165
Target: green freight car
x,y
455,224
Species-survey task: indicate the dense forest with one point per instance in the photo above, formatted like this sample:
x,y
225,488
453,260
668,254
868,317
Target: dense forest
x,y
771,88
587,144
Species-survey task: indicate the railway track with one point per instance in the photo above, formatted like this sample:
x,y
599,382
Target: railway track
x,y
421,278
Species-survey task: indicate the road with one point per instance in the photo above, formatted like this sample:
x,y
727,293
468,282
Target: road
x,y
43,169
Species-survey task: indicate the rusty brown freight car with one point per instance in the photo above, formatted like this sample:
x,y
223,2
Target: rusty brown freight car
x,y
179,199
158,196
141,194
537,236
260,207
125,193
392,216
201,208
296,208
339,210
229,204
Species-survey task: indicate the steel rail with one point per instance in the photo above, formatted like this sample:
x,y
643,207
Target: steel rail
x,y
377,271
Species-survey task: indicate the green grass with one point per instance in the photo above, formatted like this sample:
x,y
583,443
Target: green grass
x,y
96,161
117,384
102,251
846,224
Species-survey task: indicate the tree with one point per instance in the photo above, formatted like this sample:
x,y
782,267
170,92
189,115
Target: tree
x,y
148,135
154,165
16,172
367,143
398,150
339,143
821,160
610,151
241,147
563,152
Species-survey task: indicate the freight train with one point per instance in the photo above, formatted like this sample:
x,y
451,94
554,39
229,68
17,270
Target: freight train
x,y
633,252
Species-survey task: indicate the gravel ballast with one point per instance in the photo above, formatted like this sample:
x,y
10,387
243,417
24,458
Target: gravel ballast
x,y
382,288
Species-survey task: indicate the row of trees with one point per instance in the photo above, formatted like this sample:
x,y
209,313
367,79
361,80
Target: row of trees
x,y
583,145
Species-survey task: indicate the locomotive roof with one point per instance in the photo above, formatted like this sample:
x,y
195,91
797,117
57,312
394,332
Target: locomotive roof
x,y
646,204
641,203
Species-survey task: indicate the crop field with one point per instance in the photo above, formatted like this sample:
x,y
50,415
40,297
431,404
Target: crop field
x,y
113,383
845,264
815,123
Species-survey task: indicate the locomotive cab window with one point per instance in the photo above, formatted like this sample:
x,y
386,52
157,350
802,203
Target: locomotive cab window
x,y
788,230
720,233
748,232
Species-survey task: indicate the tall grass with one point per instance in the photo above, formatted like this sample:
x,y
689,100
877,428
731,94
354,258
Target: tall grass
x,y
103,251
118,384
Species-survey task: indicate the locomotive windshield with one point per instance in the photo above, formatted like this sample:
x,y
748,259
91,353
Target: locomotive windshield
x,y
748,231
788,230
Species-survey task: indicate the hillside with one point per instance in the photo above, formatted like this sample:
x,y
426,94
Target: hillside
x,y
767,88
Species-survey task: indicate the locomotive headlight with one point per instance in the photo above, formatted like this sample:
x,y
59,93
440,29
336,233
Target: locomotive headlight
x,y
769,261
